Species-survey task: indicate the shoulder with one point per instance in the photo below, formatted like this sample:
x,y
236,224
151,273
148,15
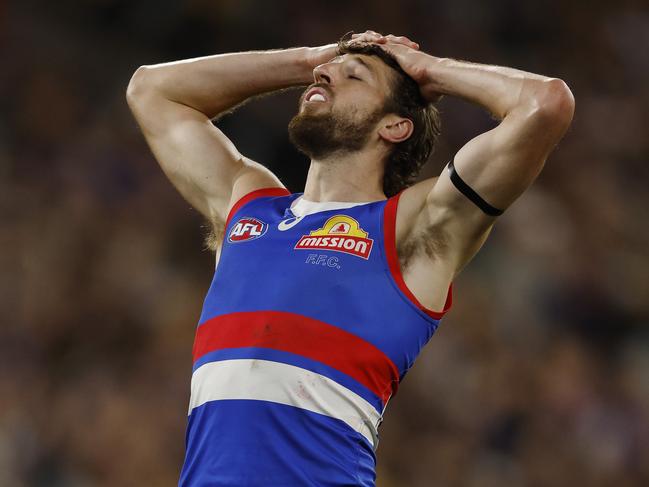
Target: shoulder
x,y
427,232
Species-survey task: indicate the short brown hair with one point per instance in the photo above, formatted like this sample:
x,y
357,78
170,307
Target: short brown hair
x,y
408,157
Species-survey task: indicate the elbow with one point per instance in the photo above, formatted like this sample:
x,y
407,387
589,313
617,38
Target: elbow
x,y
555,103
139,86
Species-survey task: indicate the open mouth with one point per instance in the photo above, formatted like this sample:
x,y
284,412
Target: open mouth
x,y
316,95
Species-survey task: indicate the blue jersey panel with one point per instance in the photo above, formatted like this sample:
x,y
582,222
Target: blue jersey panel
x,y
254,443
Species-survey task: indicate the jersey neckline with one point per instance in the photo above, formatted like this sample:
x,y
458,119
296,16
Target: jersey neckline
x,y
302,207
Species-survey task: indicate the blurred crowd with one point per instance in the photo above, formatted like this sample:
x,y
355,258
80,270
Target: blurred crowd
x,y
539,376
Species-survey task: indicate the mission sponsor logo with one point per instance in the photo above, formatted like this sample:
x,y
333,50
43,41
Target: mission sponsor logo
x,y
340,233
247,228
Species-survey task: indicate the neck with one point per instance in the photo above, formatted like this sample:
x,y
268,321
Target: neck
x,y
345,177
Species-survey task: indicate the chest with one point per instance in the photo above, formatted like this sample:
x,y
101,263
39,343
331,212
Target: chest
x,y
326,245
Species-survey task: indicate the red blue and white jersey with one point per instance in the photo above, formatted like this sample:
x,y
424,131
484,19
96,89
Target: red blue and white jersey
x,y
306,331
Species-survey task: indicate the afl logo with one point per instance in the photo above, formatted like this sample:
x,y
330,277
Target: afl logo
x,y
247,228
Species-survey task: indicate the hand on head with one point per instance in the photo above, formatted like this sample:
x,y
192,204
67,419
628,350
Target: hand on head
x,y
404,51
371,36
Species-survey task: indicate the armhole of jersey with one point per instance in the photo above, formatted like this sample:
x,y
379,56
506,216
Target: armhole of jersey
x,y
258,193
389,239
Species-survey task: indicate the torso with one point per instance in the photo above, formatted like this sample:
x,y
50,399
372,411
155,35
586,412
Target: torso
x,y
308,336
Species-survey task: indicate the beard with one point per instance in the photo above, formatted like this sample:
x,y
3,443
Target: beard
x,y
320,135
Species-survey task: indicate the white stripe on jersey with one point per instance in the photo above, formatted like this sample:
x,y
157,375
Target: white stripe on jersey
x,y
281,383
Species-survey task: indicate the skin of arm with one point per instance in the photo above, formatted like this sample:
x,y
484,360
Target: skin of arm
x,y
175,102
534,113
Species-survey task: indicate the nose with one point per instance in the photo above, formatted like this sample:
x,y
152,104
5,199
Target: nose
x,y
323,73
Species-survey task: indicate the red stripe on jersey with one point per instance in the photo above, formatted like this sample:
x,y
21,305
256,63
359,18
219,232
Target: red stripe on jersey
x,y
258,193
301,335
389,238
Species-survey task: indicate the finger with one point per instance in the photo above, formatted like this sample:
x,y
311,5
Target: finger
x,y
370,35
364,37
402,40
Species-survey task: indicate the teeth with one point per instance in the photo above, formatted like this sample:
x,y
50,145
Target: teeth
x,y
317,97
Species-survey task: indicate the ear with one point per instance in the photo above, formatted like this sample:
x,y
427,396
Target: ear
x,y
395,129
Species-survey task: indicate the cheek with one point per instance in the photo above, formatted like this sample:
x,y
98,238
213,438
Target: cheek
x,y
359,105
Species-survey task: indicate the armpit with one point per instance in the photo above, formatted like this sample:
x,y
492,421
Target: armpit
x,y
214,235
431,242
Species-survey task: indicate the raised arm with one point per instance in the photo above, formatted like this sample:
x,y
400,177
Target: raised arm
x,y
534,112
175,102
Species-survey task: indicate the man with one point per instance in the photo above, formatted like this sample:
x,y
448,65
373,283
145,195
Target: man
x,y
322,300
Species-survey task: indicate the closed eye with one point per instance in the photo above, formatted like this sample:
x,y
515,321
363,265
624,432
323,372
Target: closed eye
x,y
355,77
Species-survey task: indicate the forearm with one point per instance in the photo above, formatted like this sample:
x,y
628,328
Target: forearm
x,y
498,89
214,84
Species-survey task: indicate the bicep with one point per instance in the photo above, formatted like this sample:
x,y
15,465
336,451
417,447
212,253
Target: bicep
x,y
199,160
498,165
501,163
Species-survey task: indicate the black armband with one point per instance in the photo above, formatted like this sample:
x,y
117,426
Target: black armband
x,y
466,190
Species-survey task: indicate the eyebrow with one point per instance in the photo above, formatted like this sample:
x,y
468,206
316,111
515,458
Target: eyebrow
x,y
358,59
365,64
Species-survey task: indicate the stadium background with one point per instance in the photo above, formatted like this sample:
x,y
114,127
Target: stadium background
x,y
539,376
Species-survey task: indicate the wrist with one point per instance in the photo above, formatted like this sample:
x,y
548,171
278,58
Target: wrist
x,y
297,64
315,56
429,81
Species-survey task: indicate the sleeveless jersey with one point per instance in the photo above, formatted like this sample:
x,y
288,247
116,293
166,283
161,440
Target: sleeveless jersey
x,y
305,333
